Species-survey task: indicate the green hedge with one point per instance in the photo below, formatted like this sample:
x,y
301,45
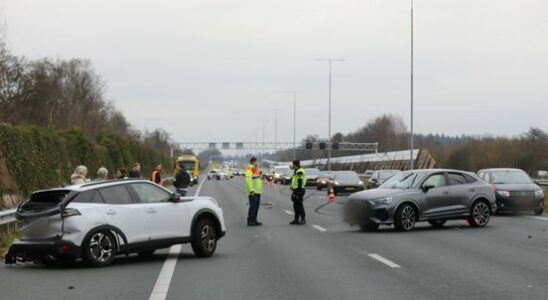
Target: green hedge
x,y
39,158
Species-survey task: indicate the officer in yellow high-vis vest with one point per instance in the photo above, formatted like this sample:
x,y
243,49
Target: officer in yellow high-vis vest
x,y
298,186
254,187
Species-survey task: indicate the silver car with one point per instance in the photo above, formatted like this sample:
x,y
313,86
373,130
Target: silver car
x,y
432,195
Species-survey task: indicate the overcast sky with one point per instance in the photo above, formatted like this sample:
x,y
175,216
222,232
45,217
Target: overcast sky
x,y
215,70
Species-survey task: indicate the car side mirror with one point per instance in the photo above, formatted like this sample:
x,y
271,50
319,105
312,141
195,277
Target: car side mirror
x,y
175,198
426,188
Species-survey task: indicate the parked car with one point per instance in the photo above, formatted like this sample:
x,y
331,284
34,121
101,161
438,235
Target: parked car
x,y
282,174
324,179
379,177
515,190
213,174
222,175
98,221
312,176
431,195
346,182
269,175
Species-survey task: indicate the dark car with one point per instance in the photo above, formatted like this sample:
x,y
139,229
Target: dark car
x,y
431,195
515,191
345,182
379,177
312,176
324,179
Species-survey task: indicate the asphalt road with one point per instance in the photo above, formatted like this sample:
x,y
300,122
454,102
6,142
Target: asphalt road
x,y
325,259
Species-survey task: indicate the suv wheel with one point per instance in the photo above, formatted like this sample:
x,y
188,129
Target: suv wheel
x,y
480,213
540,209
437,223
405,217
100,248
204,238
369,226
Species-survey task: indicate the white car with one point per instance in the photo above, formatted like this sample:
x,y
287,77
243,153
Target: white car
x,y
97,221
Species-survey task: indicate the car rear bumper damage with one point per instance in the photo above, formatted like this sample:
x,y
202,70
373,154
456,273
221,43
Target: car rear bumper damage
x,y
46,250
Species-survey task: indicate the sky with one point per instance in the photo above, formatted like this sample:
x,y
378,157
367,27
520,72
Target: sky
x,y
207,70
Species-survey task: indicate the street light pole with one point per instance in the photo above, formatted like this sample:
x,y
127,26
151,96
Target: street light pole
x,y
275,134
412,141
330,61
294,122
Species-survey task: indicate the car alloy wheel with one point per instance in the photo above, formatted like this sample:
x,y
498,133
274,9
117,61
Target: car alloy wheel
x,y
204,238
405,218
100,249
540,210
480,214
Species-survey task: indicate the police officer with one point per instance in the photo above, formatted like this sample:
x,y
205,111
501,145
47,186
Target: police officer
x,y
254,186
298,184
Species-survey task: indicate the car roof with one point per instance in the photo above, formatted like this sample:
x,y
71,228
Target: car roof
x,y
95,185
501,170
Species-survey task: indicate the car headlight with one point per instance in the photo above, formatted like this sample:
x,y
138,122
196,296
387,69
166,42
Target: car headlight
x,y
360,183
386,200
336,183
539,194
504,193
323,181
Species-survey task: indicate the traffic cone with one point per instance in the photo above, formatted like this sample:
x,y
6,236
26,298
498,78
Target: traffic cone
x,y
331,198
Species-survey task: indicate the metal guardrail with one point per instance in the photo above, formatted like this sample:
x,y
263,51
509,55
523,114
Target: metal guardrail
x,y
7,217
542,182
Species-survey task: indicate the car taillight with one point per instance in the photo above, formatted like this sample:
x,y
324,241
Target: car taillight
x,y
491,189
69,212
64,248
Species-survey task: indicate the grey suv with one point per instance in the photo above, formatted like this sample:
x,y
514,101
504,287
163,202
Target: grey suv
x,y
431,195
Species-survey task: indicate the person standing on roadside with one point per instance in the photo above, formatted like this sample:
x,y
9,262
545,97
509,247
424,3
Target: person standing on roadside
x,y
157,175
102,174
136,171
80,175
298,184
121,173
254,186
182,181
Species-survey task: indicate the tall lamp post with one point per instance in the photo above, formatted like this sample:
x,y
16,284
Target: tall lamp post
x,y
412,138
294,93
330,61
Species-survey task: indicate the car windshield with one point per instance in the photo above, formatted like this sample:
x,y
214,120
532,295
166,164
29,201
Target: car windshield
x,y
383,175
313,172
346,176
402,181
327,175
188,165
509,177
284,171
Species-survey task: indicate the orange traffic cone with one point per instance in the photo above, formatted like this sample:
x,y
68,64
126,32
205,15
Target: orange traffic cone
x,y
331,198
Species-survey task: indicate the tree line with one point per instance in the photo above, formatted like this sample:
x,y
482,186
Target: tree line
x,y
62,94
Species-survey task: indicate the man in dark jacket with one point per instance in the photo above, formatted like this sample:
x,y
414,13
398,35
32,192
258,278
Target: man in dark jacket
x,y
182,181
136,171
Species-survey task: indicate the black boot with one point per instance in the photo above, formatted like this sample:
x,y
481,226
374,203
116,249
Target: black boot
x,y
294,222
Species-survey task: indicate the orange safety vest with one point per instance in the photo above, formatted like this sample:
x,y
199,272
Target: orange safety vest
x,y
154,174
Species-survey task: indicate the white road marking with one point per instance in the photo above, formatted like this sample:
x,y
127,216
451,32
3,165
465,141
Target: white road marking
x,y
288,212
160,289
538,218
385,261
320,228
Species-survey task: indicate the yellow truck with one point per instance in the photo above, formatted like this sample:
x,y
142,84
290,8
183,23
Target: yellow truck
x,y
191,164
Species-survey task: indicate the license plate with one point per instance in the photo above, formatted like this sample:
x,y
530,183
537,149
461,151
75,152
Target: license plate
x,y
350,189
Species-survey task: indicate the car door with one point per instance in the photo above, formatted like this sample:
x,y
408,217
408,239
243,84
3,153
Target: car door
x,y
436,201
121,211
166,219
460,190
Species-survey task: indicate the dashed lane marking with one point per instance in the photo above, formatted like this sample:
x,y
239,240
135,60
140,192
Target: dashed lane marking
x,y
289,212
319,228
538,218
383,260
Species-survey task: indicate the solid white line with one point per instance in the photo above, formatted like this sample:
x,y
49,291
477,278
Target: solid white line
x,y
159,292
288,212
384,260
538,218
320,228
160,289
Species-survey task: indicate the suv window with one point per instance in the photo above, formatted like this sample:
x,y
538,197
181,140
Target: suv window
x,y
436,180
457,178
117,194
148,193
88,197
